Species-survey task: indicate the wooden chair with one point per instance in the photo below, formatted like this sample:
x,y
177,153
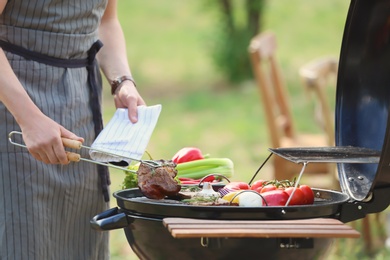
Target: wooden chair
x,y
319,77
316,76
279,120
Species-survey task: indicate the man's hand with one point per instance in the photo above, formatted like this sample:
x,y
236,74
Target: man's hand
x,y
127,96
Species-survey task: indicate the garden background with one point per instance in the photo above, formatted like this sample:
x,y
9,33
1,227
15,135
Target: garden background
x,y
169,47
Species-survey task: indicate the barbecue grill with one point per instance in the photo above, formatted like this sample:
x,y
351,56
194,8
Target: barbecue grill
x,y
362,154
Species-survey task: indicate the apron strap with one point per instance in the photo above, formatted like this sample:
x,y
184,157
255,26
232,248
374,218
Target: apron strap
x,y
95,84
43,58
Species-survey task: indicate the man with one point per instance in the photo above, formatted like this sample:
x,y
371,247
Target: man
x,y
50,87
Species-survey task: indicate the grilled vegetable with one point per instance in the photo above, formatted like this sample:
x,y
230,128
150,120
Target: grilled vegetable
x,y
187,154
185,180
298,197
250,199
237,185
303,194
308,192
268,187
275,197
257,185
231,197
200,168
244,198
131,178
208,191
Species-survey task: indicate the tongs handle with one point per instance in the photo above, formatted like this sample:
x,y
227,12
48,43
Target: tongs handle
x,y
73,157
71,143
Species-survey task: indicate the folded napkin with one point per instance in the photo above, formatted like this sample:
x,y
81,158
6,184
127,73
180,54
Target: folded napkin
x,y
123,138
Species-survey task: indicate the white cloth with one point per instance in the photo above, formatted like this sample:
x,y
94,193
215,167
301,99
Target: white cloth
x,y
123,138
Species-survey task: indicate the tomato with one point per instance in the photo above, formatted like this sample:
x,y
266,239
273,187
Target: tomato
x,y
303,195
237,185
276,197
257,185
308,192
298,197
268,187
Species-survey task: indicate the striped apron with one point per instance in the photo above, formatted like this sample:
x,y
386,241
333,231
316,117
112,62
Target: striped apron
x,y
45,209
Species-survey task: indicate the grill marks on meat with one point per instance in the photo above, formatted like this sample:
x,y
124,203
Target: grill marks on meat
x,y
158,182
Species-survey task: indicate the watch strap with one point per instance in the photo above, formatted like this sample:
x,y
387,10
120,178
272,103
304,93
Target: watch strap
x,y
118,81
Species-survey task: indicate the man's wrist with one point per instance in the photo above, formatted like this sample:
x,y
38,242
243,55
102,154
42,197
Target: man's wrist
x,y
116,83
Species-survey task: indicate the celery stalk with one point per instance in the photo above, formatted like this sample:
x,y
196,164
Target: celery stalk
x,y
227,172
200,168
208,162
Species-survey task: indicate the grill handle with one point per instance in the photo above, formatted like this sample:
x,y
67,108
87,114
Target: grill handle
x,y
109,220
115,219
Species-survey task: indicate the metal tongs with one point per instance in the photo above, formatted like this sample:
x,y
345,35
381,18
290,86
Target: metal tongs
x,y
75,157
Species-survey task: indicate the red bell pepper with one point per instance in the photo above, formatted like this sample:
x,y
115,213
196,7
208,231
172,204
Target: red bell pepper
x,y
187,154
184,180
189,182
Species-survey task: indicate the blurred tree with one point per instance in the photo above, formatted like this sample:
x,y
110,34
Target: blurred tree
x,y
239,22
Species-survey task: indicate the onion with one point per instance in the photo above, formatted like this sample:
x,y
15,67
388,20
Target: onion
x,y
250,199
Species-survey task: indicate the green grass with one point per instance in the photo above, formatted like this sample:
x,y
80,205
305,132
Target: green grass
x,y
168,51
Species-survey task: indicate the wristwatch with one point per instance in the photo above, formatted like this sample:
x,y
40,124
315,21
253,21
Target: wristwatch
x,y
118,81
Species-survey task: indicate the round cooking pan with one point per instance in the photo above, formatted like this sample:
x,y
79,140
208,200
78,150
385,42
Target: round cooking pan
x,y
327,204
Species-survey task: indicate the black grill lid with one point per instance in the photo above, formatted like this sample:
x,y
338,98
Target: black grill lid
x,y
363,95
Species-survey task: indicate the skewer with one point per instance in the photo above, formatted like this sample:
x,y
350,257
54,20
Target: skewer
x,y
297,183
261,166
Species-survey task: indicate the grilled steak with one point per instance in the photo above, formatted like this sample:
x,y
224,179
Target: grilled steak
x,y
158,182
